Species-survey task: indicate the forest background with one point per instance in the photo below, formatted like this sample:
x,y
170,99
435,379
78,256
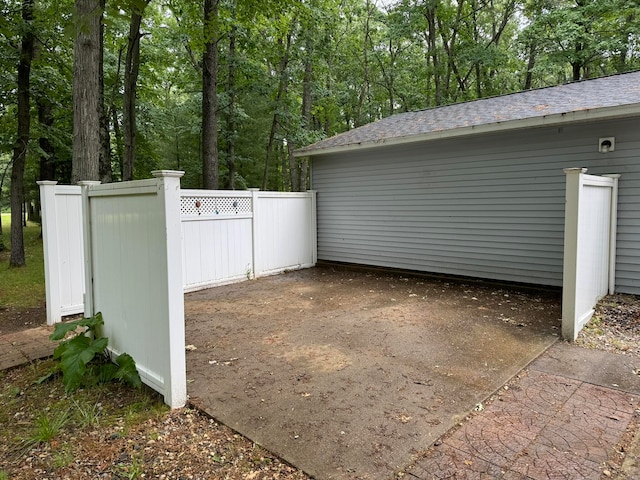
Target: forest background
x,y
226,90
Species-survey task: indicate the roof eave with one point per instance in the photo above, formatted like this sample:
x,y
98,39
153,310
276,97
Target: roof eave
x,y
604,113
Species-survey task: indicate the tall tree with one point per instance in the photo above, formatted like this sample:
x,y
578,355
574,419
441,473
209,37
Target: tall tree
x,y
231,107
283,81
86,91
104,162
131,71
210,95
17,258
47,150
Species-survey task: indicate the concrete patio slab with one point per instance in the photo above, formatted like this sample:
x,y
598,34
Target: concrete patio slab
x,y
352,374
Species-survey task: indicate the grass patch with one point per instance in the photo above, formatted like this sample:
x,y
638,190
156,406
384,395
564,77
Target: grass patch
x,y
22,287
47,426
41,421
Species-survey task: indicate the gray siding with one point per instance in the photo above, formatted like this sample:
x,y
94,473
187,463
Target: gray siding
x,y
488,206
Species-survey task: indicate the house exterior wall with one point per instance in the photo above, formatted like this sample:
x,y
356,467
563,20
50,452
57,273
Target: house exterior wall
x,y
486,206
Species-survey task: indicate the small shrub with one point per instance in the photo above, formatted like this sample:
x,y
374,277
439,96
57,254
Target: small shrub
x,y
84,358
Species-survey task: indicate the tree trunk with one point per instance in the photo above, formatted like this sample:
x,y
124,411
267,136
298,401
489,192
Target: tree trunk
x,y
210,96
131,71
231,114
104,163
275,122
47,150
86,92
528,81
113,113
298,165
2,178
17,258
365,89
432,53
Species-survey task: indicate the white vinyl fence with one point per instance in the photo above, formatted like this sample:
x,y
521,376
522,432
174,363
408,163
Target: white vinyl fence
x,y
231,236
589,246
227,236
133,267
62,238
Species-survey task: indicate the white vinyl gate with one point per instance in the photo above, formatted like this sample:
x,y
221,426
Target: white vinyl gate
x,y
589,246
63,247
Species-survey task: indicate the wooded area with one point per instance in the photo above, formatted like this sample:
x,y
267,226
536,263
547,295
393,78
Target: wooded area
x,y
226,90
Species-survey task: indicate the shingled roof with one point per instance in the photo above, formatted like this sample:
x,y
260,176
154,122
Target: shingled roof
x,y
607,97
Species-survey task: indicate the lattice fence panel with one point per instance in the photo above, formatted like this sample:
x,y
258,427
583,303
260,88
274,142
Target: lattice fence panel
x,y
200,205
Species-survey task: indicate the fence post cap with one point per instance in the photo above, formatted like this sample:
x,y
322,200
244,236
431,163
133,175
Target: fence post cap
x,y
567,171
167,173
89,183
47,182
254,189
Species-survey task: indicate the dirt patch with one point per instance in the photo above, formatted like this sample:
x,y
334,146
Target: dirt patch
x,y
346,373
115,433
18,319
615,326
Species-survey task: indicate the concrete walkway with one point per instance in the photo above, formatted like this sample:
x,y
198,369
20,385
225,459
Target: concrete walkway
x,y
562,417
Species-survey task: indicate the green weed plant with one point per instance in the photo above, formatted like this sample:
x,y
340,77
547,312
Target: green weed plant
x,y
84,359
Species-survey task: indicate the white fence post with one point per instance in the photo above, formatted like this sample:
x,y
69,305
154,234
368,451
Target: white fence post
x,y
176,383
88,250
613,232
313,225
51,252
570,265
255,209
589,246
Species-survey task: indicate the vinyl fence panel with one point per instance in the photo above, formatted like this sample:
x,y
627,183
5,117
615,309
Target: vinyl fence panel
x,y
63,249
227,237
285,232
589,246
133,243
217,235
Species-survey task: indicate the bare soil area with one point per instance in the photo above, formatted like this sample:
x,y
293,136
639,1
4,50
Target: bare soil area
x,y
14,319
615,326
